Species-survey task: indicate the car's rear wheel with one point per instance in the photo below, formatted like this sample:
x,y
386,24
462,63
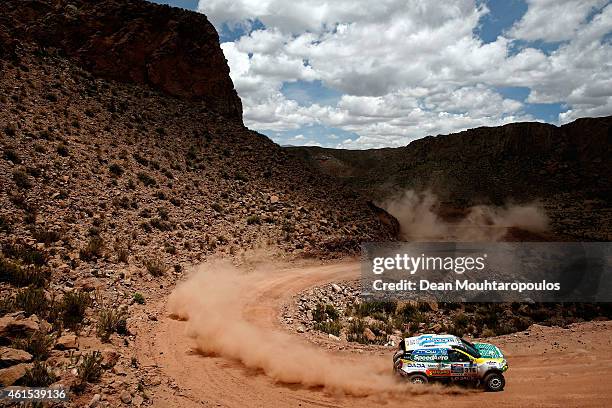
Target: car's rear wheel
x,y
418,379
494,382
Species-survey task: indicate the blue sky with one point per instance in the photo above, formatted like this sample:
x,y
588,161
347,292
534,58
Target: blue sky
x,y
314,73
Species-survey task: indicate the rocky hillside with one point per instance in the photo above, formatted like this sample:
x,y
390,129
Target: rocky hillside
x,y
567,168
123,159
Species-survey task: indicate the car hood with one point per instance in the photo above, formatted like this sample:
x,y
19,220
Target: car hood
x,y
487,350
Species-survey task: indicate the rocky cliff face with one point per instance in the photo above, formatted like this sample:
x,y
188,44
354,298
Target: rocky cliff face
x,y
169,49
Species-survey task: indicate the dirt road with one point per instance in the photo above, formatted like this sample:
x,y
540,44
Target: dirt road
x,y
259,364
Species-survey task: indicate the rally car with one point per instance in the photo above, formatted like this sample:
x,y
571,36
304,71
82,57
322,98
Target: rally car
x,y
435,357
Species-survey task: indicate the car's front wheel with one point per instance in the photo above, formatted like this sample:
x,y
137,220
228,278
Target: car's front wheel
x,y
418,379
494,382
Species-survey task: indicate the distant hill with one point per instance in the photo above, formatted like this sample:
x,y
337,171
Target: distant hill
x,y
568,168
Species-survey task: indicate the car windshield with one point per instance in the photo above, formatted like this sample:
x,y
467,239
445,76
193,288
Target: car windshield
x,y
470,348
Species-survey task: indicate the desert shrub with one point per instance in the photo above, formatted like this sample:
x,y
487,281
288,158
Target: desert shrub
x,y
253,219
89,369
11,155
93,249
461,320
5,225
123,254
38,345
145,179
155,267
332,327
369,308
217,207
240,176
21,179
331,312
26,253
38,376
111,321
167,173
161,224
51,97
62,150
139,298
355,332
46,236
73,307
32,301
115,169
122,202
16,274
10,129
318,314
141,160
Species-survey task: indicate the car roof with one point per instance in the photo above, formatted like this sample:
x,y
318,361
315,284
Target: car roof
x,y
445,341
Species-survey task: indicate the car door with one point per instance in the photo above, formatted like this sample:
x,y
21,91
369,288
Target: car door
x,y
461,365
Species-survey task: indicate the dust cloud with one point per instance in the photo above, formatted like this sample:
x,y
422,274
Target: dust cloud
x,y
213,300
419,219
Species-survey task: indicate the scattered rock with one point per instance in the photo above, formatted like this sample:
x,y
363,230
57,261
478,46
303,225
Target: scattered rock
x,y
67,342
95,400
109,358
126,397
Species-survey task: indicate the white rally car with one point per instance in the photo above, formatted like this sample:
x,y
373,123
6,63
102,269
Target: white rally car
x,y
435,357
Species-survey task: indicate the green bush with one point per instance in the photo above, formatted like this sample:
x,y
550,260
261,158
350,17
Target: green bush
x,y
38,376
46,236
62,150
5,224
139,298
38,345
145,179
32,301
89,369
115,169
332,327
16,274
11,155
94,248
111,321
355,332
21,179
155,267
73,307
253,219
26,253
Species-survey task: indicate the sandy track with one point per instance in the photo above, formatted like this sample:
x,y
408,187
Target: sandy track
x,y
550,367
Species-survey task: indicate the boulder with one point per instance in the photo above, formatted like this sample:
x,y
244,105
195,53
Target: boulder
x,y
369,334
9,376
10,356
16,326
67,342
126,398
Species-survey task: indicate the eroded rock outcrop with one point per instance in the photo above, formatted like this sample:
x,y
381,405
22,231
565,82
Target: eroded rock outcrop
x,y
167,48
